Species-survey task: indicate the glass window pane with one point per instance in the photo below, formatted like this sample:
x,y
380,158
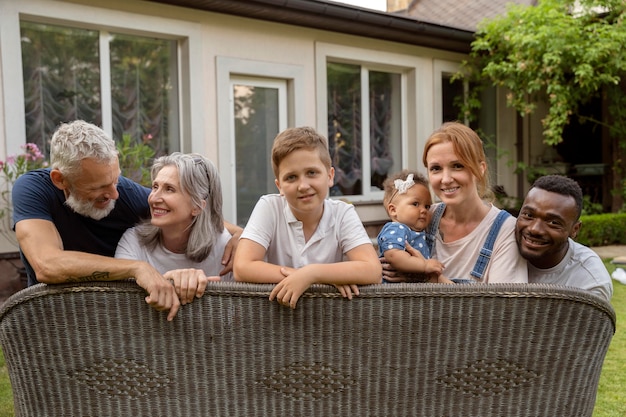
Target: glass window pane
x,y
344,127
385,126
61,78
452,96
144,95
256,125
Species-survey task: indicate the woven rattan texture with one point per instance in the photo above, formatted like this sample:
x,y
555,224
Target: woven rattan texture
x,y
97,349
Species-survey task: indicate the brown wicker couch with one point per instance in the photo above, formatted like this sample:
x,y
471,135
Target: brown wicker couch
x,y
97,349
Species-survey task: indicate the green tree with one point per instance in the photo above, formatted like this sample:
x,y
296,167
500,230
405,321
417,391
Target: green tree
x,y
562,52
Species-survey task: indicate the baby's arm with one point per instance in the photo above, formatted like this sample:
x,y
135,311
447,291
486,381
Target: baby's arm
x,y
432,277
412,262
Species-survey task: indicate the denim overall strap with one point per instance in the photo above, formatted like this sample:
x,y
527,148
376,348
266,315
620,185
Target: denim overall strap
x,y
433,226
485,252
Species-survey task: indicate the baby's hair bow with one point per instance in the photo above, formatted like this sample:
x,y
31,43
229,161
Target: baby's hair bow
x,y
403,186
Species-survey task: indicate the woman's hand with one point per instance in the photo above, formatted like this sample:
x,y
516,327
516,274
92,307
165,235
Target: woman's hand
x,y
231,247
390,274
189,283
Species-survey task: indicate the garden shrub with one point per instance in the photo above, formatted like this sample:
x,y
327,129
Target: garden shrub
x,y
602,229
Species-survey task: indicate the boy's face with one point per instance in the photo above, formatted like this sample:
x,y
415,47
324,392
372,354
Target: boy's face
x,y
411,208
304,181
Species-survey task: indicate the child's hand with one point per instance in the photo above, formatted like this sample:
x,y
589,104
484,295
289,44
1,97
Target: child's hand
x,y
433,266
347,290
438,279
288,291
286,270
443,280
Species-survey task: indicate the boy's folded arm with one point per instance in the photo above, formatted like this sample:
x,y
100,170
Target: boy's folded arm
x,y
249,264
361,268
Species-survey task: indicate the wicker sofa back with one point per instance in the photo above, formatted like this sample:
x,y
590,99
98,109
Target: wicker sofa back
x,y
97,349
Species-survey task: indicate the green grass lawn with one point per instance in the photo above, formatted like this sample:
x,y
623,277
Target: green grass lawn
x,y
6,397
611,400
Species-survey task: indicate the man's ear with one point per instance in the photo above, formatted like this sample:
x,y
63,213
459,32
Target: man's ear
x,y
575,230
58,179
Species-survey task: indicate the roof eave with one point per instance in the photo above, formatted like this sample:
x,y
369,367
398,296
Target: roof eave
x,y
339,18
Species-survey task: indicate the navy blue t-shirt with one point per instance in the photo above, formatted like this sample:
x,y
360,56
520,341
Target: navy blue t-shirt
x,y
35,197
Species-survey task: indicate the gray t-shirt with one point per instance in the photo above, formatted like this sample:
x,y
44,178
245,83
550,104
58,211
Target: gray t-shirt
x,y
581,267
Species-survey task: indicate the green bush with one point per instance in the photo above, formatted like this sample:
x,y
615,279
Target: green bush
x,y
602,229
136,158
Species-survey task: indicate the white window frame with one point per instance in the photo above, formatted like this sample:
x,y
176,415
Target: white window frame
x,y
283,115
416,100
187,34
229,69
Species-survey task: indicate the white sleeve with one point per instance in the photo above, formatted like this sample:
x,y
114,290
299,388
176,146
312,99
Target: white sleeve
x,y
353,232
260,227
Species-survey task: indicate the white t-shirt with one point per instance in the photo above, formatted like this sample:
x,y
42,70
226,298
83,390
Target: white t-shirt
x,y
163,260
459,257
581,267
273,226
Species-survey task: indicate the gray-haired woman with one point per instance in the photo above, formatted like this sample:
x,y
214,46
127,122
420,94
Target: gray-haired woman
x,y
185,237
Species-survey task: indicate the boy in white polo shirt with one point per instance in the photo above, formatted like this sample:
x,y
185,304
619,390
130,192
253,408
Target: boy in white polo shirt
x,y
299,237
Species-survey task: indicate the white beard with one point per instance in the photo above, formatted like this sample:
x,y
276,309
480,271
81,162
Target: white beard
x,y
86,208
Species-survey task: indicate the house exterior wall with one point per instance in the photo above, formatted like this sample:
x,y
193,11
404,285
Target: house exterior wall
x,y
214,47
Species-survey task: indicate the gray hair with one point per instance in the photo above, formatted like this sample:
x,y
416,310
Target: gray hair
x,y
200,179
75,141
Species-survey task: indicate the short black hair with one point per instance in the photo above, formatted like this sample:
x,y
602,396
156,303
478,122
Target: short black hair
x,y
561,185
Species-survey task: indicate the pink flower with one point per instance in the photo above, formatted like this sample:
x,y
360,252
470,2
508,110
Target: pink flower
x,y
32,152
16,165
